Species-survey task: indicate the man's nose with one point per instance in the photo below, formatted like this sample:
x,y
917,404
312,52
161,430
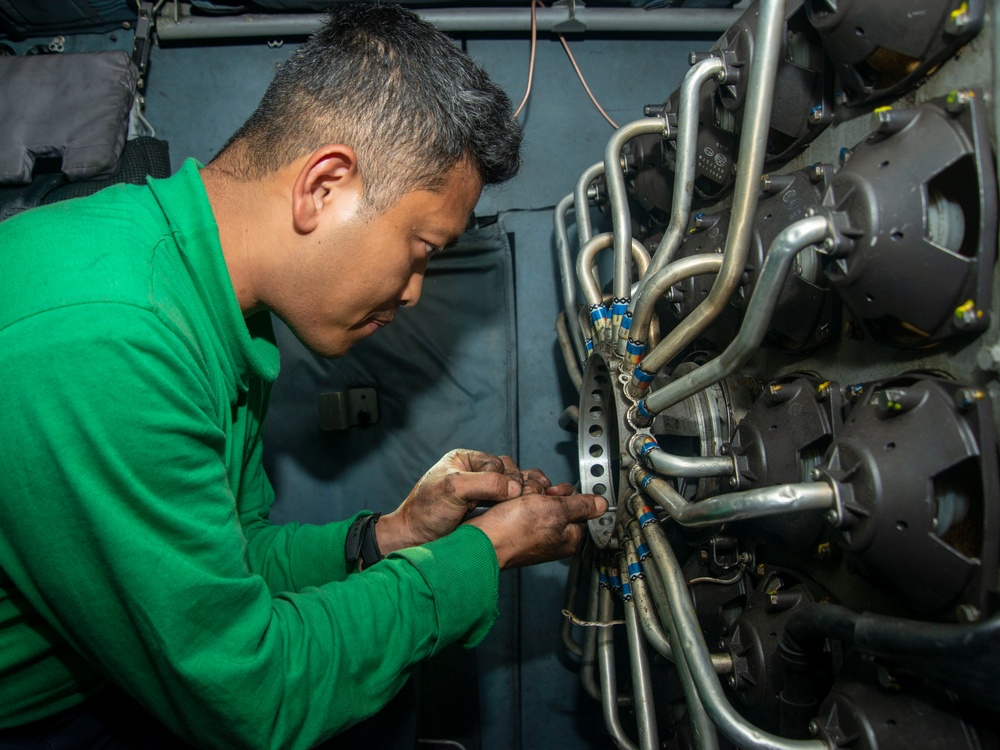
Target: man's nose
x,y
411,292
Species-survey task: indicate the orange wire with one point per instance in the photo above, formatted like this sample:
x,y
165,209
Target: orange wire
x,y
579,73
531,62
584,82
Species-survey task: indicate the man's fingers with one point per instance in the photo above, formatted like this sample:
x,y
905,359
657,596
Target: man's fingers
x,y
564,488
534,480
581,508
478,461
483,485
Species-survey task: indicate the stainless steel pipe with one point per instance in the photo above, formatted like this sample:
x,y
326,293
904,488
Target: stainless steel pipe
x,y
687,156
768,46
567,275
736,506
459,21
773,274
689,640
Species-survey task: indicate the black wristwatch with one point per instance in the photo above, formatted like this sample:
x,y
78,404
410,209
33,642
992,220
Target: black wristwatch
x,y
361,547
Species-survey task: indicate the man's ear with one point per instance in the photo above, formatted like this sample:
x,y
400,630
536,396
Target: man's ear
x,y
328,179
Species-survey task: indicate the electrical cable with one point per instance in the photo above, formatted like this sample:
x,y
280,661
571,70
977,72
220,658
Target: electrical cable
x,y
531,60
579,73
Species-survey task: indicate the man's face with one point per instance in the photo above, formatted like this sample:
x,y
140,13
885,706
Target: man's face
x,y
360,267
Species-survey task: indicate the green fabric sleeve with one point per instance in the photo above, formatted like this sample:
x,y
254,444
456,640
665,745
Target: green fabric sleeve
x,y
125,536
292,556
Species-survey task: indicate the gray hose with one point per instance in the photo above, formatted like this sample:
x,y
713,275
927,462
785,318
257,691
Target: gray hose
x,y
567,275
736,506
688,639
773,274
687,156
768,46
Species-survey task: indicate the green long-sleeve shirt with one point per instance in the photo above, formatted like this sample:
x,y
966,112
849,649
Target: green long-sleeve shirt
x,y
135,544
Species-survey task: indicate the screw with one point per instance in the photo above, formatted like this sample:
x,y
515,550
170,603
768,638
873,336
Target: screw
x,y
816,474
845,154
813,727
816,114
818,171
841,97
831,517
958,101
958,21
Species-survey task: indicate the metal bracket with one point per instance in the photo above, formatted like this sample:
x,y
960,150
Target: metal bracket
x,y
343,409
144,26
571,25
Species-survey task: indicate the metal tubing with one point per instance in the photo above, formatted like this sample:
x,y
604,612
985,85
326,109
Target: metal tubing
x,y
736,506
692,467
687,156
768,45
585,273
589,662
773,274
689,640
642,682
703,730
459,20
581,201
567,275
606,665
621,219
568,352
655,286
572,590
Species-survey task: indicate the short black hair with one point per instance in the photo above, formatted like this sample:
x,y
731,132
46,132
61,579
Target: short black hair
x,y
378,78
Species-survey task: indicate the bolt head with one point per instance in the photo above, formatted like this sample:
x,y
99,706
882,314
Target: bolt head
x,y
813,727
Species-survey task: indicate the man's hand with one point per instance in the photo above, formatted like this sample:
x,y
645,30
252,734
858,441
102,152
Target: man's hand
x,y
539,528
452,488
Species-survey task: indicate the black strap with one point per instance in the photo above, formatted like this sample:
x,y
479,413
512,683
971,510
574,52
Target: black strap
x,y
361,544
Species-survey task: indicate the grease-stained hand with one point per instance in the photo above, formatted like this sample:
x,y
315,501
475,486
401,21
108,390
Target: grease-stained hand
x,y
539,527
451,488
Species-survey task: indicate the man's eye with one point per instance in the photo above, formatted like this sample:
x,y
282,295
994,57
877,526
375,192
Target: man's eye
x,y
433,250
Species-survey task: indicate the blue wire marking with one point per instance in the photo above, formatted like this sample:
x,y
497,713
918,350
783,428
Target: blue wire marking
x,y
646,518
634,571
646,480
616,581
603,579
643,551
642,376
648,446
643,411
627,321
634,347
626,591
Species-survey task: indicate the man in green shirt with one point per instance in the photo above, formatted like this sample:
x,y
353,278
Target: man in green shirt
x,y
135,340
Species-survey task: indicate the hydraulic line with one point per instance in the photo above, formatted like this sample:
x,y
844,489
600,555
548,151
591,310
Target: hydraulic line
x,y
687,155
651,289
773,274
569,354
591,286
606,665
647,588
642,682
768,45
576,566
736,506
589,662
703,730
567,275
688,639
621,219
691,467
581,201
